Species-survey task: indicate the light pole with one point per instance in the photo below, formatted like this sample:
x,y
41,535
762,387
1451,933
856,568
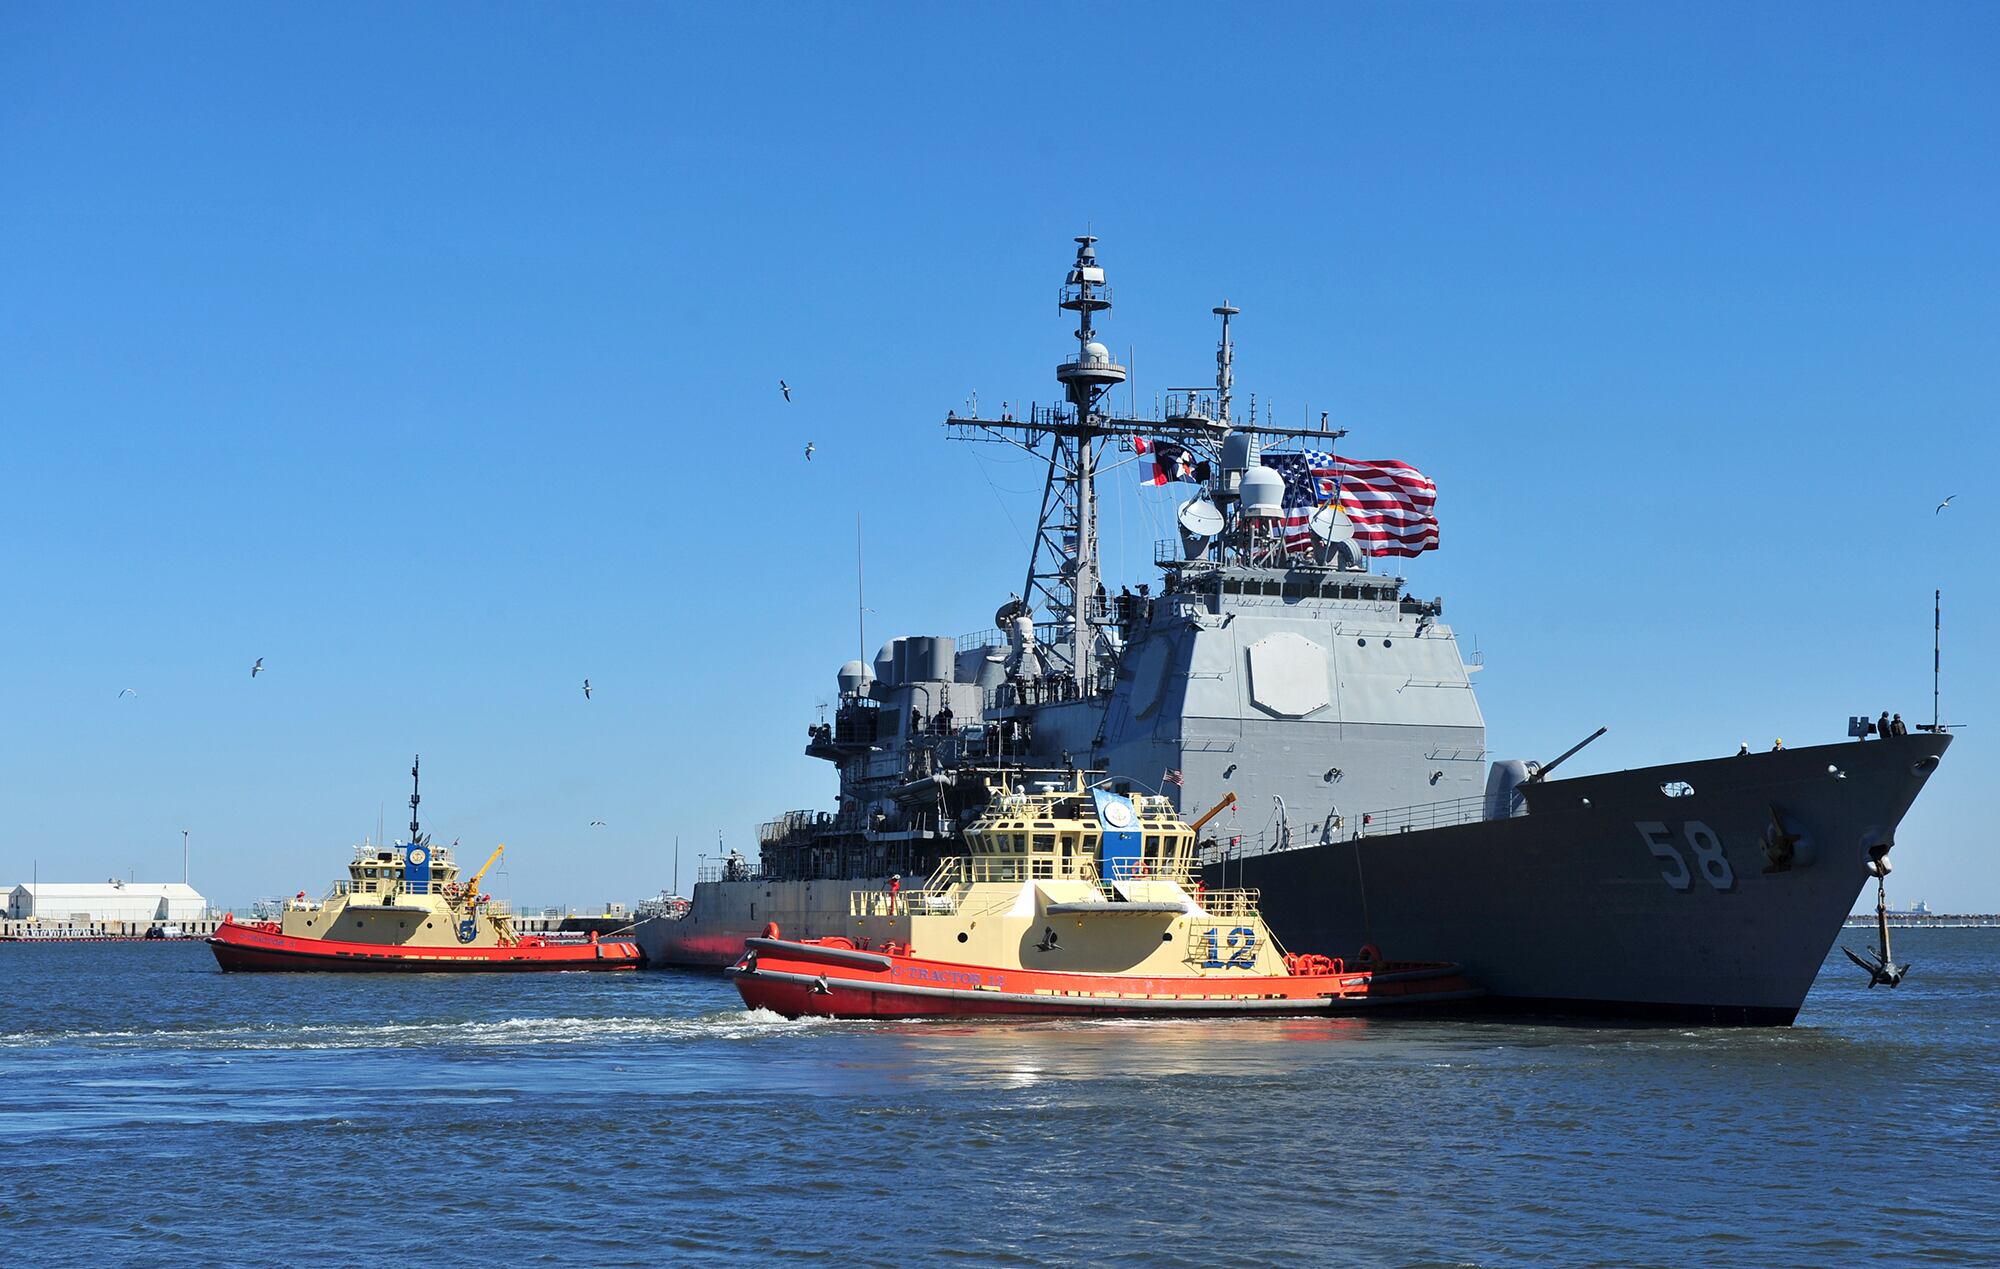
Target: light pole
x,y
184,856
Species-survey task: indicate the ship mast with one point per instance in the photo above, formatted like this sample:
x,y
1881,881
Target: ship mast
x,y
1225,364
1074,500
1064,582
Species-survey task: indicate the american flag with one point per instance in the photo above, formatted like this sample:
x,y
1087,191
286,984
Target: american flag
x,y
1173,776
1392,504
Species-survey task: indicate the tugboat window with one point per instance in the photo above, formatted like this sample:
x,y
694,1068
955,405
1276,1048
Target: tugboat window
x,y
961,936
1360,643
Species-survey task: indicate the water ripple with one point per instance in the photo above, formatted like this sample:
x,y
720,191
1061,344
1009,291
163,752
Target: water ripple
x,y
173,1113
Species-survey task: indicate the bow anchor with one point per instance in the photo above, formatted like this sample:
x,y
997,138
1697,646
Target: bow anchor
x,y
1883,971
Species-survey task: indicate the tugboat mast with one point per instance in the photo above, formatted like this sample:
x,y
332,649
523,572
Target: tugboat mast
x,y
415,762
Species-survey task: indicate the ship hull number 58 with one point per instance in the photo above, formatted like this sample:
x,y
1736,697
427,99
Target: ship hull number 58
x,y
1695,850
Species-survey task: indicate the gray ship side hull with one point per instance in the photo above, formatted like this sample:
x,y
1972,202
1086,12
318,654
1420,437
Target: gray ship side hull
x,y
1611,895
722,914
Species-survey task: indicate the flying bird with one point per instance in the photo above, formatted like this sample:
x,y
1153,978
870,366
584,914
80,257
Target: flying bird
x,y
810,447
586,689
127,691
1942,505
785,388
256,669
597,823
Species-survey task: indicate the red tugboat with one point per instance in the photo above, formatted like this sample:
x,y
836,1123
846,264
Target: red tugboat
x,y
403,908
1074,901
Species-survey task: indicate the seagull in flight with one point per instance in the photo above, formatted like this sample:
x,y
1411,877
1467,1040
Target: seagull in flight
x,y
785,388
1942,505
586,689
597,823
810,447
127,691
258,668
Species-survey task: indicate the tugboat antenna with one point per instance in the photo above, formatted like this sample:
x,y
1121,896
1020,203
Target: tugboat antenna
x,y
414,798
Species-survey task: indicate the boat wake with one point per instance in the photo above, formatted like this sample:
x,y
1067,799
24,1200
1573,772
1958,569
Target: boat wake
x,y
530,1032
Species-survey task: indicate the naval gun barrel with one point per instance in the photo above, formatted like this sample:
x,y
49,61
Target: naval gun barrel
x,y
1567,754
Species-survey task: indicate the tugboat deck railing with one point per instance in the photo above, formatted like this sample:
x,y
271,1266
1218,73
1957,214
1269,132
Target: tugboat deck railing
x,y
944,894
1229,904
388,890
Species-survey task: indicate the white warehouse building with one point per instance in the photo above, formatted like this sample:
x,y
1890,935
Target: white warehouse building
x,y
107,901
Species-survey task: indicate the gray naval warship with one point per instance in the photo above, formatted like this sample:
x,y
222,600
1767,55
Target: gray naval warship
x,y
1274,669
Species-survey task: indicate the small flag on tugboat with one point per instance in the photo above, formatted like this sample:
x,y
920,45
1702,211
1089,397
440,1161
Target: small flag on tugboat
x,y
1173,776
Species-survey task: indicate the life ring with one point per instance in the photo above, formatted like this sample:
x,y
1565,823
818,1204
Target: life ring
x,y
1369,954
770,929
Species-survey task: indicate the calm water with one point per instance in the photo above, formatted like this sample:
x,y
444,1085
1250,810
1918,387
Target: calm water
x,y
153,1110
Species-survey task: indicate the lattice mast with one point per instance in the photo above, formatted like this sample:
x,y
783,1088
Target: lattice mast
x,y
1064,569
1064,579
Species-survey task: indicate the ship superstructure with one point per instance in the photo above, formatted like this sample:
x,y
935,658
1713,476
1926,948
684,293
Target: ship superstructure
x,y
1272,661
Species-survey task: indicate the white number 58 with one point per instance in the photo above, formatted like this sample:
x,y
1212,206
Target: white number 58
x,y
1701,841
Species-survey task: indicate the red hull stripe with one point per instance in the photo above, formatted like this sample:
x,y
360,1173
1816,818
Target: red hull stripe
x,y
794,994
237,947
840,980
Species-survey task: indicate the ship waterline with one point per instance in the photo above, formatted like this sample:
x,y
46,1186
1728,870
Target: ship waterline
x,y
1608,896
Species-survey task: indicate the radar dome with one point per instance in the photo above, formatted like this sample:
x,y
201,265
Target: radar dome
x,y
1096,352
1263,493
854,678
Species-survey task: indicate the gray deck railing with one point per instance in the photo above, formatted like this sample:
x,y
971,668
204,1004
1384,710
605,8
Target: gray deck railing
x,y
1405,819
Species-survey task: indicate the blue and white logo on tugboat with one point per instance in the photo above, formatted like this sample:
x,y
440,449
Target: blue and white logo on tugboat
x,y
1120,852
417,868
468,930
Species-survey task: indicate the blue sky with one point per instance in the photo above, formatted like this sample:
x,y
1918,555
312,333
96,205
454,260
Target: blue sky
x,y
430,353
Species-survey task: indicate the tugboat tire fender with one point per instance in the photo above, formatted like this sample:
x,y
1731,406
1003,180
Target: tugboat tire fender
x,y
806,951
